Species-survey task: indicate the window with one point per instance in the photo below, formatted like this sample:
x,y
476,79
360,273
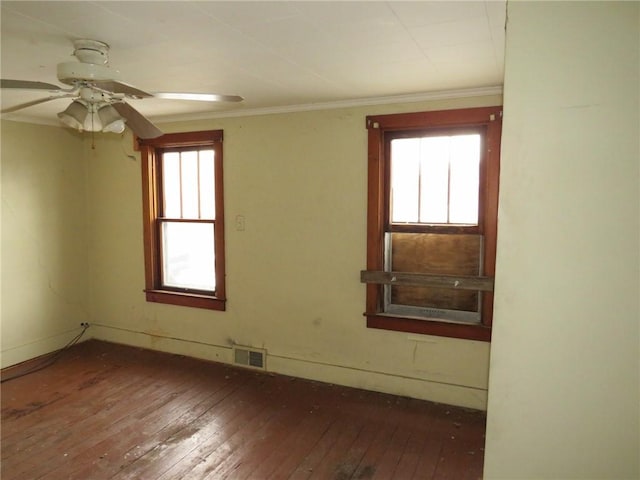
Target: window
x,y
432,221
184,219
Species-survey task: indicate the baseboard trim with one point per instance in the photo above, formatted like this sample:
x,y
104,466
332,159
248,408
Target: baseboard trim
x,y
16,355
423,389
162,343
458,395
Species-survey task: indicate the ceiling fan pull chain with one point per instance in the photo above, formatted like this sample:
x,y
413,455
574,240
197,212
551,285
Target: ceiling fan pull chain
x,y
93,133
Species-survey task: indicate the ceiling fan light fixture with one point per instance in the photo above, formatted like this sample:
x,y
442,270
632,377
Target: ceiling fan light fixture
x,y
74,115
110,119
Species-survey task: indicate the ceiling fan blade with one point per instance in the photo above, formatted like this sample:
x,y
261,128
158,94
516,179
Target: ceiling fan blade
x,y
121,87
35,102
137,122
27,85
199,97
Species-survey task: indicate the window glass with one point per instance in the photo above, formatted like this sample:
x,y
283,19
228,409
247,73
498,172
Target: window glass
x,y
434,176
189,183
171,184
207,185
188,255
464,179
435,179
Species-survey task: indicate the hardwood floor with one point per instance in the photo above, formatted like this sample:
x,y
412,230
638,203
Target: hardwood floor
x,y
107,411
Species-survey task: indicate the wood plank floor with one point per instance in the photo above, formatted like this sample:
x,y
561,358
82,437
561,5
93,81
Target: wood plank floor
x,y
107,411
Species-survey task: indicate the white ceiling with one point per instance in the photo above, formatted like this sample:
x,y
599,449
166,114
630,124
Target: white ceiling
x,y
275,54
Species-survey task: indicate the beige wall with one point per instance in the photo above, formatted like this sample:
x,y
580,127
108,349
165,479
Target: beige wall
x,y
44,232
293,287
563,395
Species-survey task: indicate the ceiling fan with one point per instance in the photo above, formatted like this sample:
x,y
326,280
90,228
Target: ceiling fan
x,y
99,97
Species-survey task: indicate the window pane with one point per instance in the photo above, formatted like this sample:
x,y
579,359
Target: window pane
x,y
405,180
207,185
435,179
434,172
189,170
188,255
464,181
171,184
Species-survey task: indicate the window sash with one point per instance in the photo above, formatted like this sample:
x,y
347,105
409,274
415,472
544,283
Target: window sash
x,y
180,170
187,191
177,258
426,302
432,171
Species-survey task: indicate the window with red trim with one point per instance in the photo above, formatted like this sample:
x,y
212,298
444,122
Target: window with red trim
x,y
432,221
184,219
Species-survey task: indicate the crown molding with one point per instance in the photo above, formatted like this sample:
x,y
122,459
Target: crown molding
x,y
360,102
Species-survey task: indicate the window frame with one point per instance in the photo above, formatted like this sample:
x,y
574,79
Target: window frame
x,y
380,129
151,154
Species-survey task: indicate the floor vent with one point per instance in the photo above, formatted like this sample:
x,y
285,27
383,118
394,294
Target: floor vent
x,y
249,357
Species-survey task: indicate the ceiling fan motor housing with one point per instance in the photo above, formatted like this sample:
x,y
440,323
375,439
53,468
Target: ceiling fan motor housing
x,y
94,57
74,72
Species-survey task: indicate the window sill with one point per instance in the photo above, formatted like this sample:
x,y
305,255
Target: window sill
x,y
185,299
429,327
